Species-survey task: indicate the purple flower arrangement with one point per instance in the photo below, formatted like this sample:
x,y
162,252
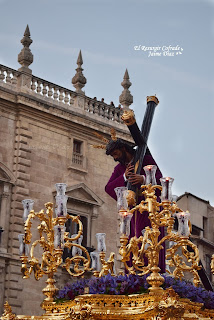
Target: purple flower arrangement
x,y
130,284
187,290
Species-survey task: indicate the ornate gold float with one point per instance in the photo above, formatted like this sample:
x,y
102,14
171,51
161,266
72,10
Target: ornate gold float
x,y
157,304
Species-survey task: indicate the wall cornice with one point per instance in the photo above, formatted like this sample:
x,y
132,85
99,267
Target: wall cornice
x,y
44,109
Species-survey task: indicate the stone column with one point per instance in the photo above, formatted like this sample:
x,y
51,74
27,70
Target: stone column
x,y
4,220
21,170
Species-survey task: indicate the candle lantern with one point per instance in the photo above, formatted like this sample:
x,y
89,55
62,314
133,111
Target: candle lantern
x,y
101,245
166,194
75,250
95,261
122,204
28,206
61,205
150,171
125,224
23,247
61,200
183,223
122,207
60,189
59,236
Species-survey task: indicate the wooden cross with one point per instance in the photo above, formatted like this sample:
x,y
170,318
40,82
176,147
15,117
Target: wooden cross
x,y
140,137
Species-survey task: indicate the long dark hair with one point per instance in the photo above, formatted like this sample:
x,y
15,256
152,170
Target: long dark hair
x,y
119,144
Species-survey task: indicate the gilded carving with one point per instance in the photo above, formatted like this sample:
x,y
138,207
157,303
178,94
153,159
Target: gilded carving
x,y
107,266
8,315
128,117
52,254
81,312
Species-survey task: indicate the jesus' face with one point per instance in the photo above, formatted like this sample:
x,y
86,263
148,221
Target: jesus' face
x,y
119,155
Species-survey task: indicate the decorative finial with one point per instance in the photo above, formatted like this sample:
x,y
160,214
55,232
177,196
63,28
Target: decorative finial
x,y
79,80
25,57
126,98
152,98
79,59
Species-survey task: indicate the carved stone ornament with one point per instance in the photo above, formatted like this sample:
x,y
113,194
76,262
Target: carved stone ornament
x,y
25,57
126,99
79,80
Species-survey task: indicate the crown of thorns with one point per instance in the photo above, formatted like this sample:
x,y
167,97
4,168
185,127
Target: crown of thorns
x,y
110,144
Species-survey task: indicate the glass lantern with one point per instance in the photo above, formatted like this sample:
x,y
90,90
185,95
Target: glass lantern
x,y
101,245
122,204
183,223
95,261
166,194
59,236
75,250
60,189
23,247
125,224
61,205
28,206
150,171
61,200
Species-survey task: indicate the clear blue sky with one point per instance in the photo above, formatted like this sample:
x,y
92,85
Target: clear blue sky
x,y
107,31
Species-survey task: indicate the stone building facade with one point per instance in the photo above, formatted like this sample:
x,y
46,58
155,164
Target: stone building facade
x,y
46,137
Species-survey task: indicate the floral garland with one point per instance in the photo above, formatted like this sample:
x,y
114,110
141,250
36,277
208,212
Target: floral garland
x,y
130,284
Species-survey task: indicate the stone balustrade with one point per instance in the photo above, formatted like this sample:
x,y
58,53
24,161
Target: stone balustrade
x,y
62,95
66,96
77,158
8,75
52,91
103,110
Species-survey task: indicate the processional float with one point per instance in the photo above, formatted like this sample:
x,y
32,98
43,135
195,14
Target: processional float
x,y
182,256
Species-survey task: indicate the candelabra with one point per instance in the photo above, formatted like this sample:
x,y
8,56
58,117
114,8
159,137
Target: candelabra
x,y
53,239
149,244
182,256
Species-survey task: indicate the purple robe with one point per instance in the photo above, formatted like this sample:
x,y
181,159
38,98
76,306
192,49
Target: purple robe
x,y
139,221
